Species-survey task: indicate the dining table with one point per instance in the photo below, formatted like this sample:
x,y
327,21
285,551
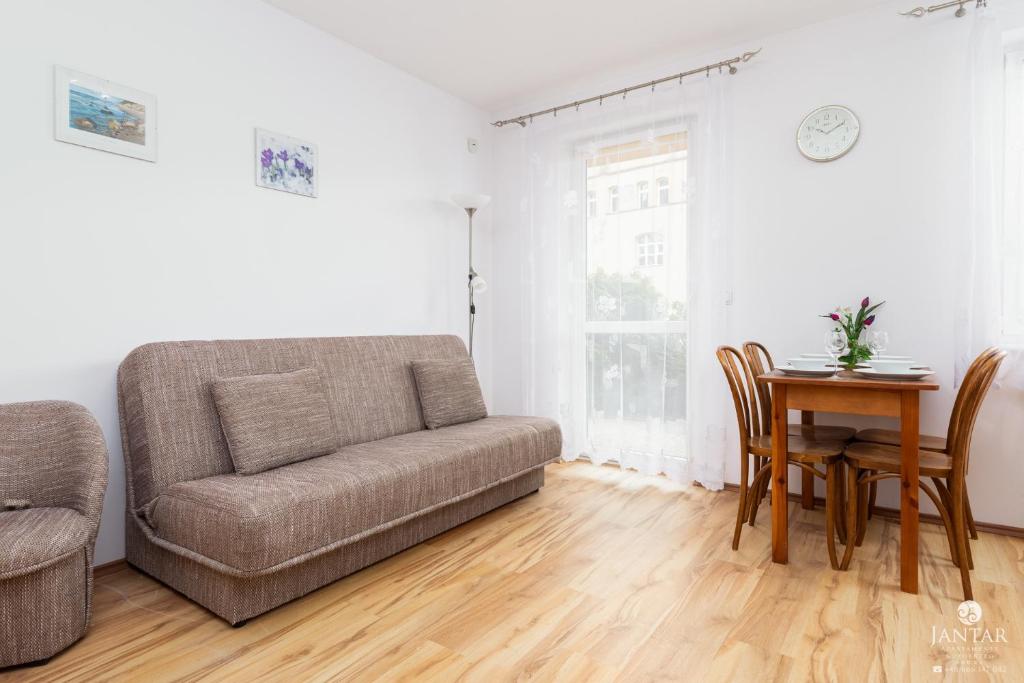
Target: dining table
x,y
848,393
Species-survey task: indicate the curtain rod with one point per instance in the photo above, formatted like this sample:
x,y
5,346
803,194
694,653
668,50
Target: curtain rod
x,y
961,11
731,63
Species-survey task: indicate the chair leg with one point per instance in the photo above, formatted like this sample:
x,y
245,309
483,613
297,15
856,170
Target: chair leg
x,y
970,515
852,475
841,503
872,495
755,494
947,497
960,531
862,513
831,493
943,504
761,479
741,512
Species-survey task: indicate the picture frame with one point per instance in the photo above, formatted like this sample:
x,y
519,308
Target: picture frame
x,y
286,164
93,112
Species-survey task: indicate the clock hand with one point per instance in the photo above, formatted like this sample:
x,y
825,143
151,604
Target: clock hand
x,y
838,125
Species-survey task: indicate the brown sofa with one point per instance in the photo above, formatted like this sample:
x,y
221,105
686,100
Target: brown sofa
x,y
53,474
243,544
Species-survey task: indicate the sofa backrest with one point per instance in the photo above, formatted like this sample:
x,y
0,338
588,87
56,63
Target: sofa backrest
x,y
170,429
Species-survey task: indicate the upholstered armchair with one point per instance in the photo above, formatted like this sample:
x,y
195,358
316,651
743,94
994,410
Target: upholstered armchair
x,y
53,474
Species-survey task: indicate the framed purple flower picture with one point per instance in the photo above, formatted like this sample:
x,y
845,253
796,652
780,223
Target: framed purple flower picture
x,y
287,164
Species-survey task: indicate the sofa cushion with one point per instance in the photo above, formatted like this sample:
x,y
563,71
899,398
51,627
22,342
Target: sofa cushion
x,y
449,391
273,420
37,535
256,522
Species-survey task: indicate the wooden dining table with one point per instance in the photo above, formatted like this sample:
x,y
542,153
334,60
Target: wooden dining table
x,y
851,394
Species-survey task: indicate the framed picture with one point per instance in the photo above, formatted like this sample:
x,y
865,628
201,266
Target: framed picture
x,y
92,112
287,164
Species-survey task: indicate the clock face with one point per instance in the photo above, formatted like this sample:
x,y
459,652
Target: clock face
x,y
827,133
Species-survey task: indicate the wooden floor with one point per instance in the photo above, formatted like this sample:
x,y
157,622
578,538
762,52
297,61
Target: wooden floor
x,y
603,575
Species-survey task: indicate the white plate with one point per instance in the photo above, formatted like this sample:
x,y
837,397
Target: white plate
x,y
825,355
917,373
790,370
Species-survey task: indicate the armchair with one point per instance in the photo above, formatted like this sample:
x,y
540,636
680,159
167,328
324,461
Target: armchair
x,y
53,475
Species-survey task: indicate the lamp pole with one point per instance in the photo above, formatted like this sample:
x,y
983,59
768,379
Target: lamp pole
x,y
470,210
471,203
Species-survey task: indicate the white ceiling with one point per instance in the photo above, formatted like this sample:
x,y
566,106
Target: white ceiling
x,y
495,54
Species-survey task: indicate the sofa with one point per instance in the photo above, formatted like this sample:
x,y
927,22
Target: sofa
x,y
53,476
241,540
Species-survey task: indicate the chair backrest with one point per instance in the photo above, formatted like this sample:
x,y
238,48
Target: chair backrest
x,y
760,362
970,379
744,393
968,403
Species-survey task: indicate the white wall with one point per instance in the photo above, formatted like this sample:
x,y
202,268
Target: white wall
x,y
100,253
878,222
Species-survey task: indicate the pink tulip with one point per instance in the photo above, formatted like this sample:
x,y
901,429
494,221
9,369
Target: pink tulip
x,y
870,319
835,316
865,303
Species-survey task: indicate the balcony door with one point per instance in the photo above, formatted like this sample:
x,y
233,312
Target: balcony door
x,y
635,328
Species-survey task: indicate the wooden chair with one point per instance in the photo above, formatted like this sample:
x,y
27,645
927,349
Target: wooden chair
x,y
948,471
756,442
937,444
761,362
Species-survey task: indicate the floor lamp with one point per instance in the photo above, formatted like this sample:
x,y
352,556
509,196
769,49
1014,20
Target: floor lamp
x,y
476,285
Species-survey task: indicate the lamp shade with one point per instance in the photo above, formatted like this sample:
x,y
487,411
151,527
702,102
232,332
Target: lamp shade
x,y
471,201
479,285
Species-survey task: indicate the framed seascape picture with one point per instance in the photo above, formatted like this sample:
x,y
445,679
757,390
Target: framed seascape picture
x,y
286,164
92,112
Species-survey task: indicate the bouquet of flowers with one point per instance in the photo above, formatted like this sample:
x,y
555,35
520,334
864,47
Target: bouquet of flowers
x,y
853,326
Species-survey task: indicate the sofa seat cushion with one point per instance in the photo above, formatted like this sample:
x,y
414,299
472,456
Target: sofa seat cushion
x,y
35,536
253,523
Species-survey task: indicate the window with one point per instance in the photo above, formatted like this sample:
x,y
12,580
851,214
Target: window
x,y
643,194
591,204
650,249
613,199
663,190
1013,216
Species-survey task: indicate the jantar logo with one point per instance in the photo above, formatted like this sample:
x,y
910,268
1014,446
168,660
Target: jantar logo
x,y
969,613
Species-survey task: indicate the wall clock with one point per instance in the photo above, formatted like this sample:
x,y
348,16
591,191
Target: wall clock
x,y
827,133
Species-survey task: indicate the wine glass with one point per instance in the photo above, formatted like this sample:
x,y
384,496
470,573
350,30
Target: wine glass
x,y
878,341
835,342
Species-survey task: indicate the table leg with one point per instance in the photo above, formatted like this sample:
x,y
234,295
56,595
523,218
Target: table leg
x,y
807,479
909,491
780,484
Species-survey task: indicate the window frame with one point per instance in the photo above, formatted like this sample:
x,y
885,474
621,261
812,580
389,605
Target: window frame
x,y
650,249
664,190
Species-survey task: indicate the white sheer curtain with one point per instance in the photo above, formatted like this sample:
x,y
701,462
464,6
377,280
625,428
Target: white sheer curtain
x,y
624,226
980,298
